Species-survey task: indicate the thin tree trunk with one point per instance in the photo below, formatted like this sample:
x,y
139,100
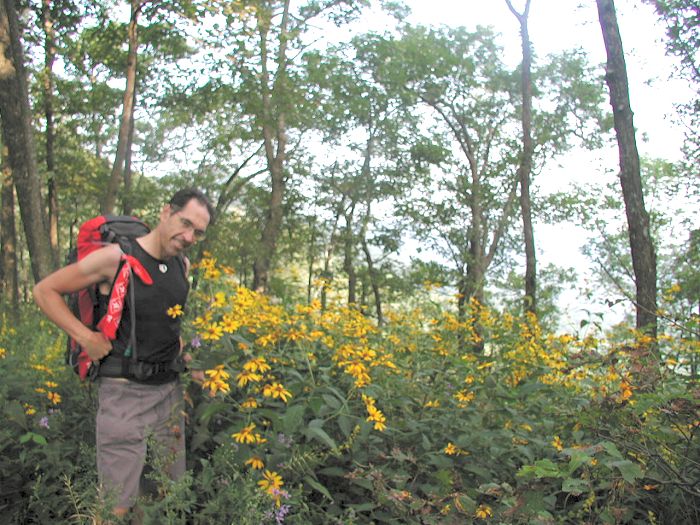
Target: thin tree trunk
x,y
641,245
9,283
311,258
109,199
127,203
525,167
372,270
330,248
49,59
349,256
274,131
17,138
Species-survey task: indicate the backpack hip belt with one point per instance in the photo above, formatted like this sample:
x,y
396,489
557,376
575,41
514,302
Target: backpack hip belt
x,y
118,366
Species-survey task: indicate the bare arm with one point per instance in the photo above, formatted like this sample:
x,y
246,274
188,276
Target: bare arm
x,y
99,266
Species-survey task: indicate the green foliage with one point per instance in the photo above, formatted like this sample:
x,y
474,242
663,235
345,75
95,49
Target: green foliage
x,y
539,428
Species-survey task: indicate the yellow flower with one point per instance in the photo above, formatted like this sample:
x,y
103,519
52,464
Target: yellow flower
x,y
246,376
216,385
276,390
557,443
256,463
464,397
271,482
218,373
375,415
175,311
432,404
246,435
3,353
54,397
29,409
213,332
219,300
251,402
451,450
257,365
483,512
51,384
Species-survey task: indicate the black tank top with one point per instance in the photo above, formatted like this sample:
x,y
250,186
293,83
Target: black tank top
x,y
157,333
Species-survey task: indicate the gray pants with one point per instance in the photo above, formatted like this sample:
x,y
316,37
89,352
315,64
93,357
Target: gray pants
x,y
128,414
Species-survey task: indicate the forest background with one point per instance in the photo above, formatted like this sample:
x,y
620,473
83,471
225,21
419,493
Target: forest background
x,y
372,274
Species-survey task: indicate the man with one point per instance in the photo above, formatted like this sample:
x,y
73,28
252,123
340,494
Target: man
x,y
140,399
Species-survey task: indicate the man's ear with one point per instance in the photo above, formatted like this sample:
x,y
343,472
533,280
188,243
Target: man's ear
x,y
165,212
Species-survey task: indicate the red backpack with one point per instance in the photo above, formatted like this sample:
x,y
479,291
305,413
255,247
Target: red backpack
x,y
93,235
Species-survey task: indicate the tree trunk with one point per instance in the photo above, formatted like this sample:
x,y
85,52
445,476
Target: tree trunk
x,y
17,137
349,256
525,167
372,270
49,59
9,282
127,202
275,139
109,199
641,245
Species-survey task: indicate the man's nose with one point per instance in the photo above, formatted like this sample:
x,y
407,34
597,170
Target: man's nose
x,y
189,235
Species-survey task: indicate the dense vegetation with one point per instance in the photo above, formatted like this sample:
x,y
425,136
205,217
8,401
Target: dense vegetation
x,y
350,378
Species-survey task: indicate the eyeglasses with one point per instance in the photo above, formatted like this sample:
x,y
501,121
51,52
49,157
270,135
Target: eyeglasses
x,y
198,234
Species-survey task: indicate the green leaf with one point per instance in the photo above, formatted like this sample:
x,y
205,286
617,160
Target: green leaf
x,y
39,439
363,507
332,401
629,470
26,437
212,409
318,487
543,468
578,458
314,430
611,449
293,418
575,486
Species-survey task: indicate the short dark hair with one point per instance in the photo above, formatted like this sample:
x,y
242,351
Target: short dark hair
x,y
180,199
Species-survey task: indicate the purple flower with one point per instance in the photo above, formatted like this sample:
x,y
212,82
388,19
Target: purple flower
x,y
44,422
281,513
196,342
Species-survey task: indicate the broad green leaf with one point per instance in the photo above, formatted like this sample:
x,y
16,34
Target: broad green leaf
x,y
611,449
575,486
578,458
293,418
629,470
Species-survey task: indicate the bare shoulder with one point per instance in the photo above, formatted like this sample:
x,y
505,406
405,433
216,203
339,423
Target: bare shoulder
x,y
187,264
100,266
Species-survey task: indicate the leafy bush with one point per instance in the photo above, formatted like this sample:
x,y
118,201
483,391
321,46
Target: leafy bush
x,y
312,415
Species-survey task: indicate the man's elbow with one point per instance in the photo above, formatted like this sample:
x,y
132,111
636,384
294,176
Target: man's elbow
x,y
39,294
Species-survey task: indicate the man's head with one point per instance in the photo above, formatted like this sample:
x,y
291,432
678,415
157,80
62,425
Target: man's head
x,y
184,221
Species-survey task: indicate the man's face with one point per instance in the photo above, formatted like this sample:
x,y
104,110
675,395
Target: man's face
x,y
182,228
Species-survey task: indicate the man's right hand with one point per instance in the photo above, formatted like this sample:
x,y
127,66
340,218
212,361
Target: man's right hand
x,y
96,345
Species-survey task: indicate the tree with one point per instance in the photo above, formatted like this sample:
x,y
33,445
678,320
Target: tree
x,y
525,165
641,244
17,132
109,199
9,278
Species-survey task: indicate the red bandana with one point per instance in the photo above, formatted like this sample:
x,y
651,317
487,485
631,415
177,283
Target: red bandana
x,y
110,322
